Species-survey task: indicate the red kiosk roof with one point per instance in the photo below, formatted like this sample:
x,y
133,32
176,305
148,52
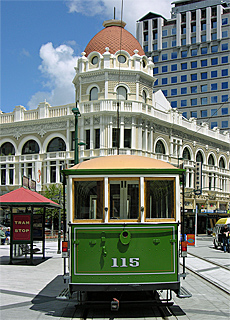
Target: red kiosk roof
x,y
25,197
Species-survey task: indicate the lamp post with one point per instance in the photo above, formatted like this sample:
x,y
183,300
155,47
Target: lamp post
x,y
178,159
64,211
77,114
59,225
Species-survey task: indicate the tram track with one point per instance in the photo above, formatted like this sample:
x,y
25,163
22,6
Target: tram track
x,y
211,261
158,313
142,310
206,272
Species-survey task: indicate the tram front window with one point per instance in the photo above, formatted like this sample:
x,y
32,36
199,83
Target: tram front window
x,y
124,199
88,197
159,199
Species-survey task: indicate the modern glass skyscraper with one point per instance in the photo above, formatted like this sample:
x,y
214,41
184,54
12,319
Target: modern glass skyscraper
x,y
191,56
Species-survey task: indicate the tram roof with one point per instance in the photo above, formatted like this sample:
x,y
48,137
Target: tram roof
x,y
126,163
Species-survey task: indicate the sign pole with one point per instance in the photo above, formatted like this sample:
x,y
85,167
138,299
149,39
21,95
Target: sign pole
x,y
196,225
59,225
31,235
43,229
11,238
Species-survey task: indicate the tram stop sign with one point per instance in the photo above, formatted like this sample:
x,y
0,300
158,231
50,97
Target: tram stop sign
x,y
21,227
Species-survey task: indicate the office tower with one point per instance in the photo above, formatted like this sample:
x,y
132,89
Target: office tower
x,y
191,56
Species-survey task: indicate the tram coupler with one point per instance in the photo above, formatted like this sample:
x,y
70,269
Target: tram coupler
x,y
114,305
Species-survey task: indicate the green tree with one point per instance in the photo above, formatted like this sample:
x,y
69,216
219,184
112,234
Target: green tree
x,y
53,192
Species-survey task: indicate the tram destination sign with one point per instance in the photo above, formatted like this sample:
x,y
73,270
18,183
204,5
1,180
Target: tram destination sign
x,y
21,227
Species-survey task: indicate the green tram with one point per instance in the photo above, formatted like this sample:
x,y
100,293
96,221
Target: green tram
x,y
123,225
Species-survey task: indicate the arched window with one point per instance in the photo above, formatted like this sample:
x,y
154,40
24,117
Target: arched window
x,y
121,93
160,148
56,144
211,160
144,97
30,147
93,94
199,157
186,154
7,149
221,163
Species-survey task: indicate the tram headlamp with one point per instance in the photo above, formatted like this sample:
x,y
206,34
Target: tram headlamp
x,y
184,248
65,251
125,234
125,237
64,246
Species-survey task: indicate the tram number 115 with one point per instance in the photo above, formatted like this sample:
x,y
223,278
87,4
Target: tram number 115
x,y
132,262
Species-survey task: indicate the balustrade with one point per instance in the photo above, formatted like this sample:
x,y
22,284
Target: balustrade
x,y
29,157
6,118
7,159
55,155
31,115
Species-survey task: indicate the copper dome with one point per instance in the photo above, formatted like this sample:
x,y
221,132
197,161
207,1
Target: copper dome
x,y
110,37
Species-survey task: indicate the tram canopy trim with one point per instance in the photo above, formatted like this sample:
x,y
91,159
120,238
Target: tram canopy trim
x,y
128,163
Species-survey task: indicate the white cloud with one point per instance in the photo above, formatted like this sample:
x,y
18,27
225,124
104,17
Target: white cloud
x,y
88,7
132,11
25,53
57,67
71,43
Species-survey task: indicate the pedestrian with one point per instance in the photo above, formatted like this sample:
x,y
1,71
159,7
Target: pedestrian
x,y
225,237
2,236
8,235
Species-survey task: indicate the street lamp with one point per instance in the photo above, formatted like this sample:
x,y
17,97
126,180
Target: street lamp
x,y
77,114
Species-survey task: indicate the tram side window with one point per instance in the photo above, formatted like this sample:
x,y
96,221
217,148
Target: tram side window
x,y
124,199
159,199
88,197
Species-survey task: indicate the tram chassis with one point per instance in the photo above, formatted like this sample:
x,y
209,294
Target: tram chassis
x,y
125,287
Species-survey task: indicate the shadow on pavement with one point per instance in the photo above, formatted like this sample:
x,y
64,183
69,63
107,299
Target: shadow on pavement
x,y
46,302
5,260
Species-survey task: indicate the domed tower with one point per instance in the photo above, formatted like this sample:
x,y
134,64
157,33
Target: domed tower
x,y
113,73
113,58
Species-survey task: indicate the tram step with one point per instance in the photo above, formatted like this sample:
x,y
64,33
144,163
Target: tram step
x,y
64,295
184,293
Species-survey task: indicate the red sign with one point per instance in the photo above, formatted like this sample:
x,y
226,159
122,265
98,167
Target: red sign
x,y
21,227
191,239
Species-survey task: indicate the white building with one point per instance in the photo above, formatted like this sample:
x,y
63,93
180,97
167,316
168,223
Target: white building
x,y
114,77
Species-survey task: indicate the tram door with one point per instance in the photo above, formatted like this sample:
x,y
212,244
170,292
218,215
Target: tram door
x,y
124,199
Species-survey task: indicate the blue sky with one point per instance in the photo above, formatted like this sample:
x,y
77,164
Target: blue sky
x,y
41,41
